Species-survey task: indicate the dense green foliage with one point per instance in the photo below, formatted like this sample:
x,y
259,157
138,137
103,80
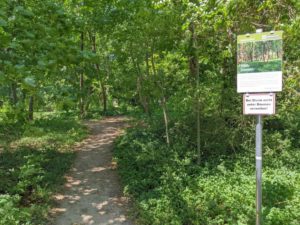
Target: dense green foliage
x,y
168,187
32,166
167,184
174,62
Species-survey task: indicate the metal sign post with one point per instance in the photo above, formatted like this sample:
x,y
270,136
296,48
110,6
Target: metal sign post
x,y
258,156
258,163
259,73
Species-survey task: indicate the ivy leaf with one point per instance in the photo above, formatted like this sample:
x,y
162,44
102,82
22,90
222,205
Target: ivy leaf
x,y
30,81
42,63
30,35
3,23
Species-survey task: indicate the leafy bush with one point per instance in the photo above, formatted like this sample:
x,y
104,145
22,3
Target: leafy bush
x,y
168,187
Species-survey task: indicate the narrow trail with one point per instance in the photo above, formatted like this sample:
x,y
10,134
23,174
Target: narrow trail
x,y
92,193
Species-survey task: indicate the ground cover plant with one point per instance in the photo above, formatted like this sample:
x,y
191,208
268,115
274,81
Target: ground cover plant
x,y
169,187
33,160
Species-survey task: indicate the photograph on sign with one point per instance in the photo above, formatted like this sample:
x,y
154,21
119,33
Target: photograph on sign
x,y
259,62
259,104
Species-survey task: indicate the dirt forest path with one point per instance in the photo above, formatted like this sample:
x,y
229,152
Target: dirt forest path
x,y
92,193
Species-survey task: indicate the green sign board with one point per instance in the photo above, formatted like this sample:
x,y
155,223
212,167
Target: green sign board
x,y
259,62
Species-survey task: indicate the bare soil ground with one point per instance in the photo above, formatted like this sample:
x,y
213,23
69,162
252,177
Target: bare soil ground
x,y
92,193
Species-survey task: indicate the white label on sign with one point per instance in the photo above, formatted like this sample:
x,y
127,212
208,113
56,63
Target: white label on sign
x,y
259,104
259,82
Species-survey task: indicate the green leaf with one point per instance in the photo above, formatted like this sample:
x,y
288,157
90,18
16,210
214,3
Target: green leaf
x,y
3,23
30,81
42,63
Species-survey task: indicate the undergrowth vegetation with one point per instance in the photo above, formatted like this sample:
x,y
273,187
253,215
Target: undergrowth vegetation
x,y
34,158
169,187
191,161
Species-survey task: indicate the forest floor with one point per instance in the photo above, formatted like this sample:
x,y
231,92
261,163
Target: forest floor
x,y
92,193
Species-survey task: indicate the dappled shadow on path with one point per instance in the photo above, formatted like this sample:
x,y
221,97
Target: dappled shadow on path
x,y
92,192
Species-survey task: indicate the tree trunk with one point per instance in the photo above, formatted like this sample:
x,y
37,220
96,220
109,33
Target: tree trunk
x,y
163,99
142,99
88,101
103,95
166,119
152,61
14,93
30,108
194,70
81,83
139,86
23,96
104,88
147,64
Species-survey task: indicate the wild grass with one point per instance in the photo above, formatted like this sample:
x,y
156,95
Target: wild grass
x,y
33,160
